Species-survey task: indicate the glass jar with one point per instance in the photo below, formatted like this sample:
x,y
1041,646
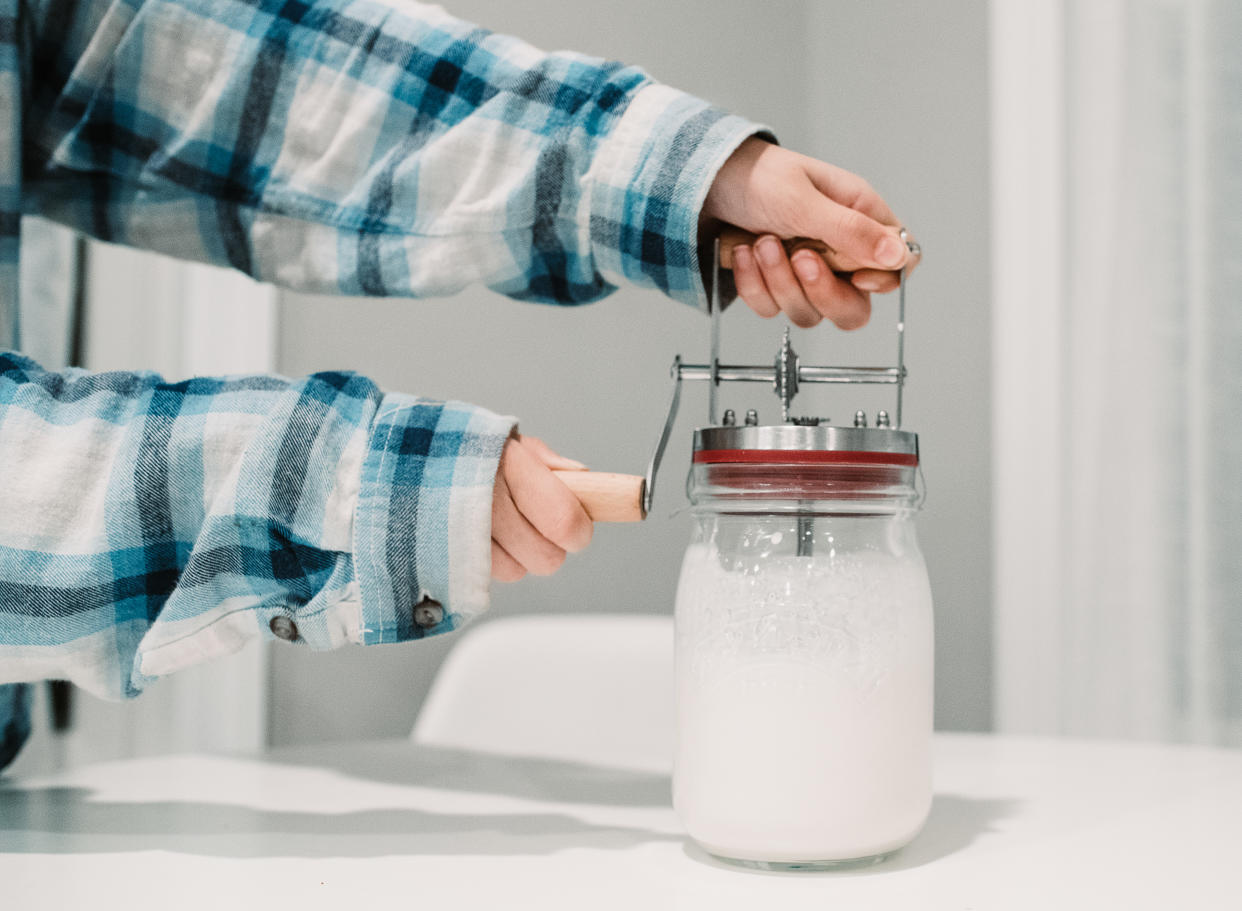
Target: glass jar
x,y
803,648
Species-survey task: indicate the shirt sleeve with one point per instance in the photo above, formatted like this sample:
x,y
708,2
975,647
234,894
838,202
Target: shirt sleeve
x,y
367,147
146,526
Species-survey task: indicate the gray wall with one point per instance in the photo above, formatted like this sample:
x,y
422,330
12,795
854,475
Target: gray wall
x,y
901,96
861,85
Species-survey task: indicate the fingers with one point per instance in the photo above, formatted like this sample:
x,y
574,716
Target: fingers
x,y
857,223
535,518
857,237
869,279
806,290
517,537
547,503
852,192
835,298
783,285
750,285
875,281
504,567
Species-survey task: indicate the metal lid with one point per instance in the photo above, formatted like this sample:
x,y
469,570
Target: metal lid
x,y
798,444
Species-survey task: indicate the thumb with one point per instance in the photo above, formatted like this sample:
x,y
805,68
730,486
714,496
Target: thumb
x,y
856,238
549,457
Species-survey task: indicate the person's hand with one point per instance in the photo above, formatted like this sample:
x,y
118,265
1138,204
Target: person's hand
x,y
535,518
776,193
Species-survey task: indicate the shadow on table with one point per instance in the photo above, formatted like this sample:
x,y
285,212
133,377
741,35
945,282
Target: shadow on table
x,y
534,778
62,819
955,822
68,821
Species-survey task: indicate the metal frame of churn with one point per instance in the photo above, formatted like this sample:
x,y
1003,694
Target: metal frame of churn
x,y
786,375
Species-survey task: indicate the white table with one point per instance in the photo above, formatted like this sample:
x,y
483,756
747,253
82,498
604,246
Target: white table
x,y
1016,824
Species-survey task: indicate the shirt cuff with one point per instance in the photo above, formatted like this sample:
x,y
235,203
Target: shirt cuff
x,y
647,184
422,525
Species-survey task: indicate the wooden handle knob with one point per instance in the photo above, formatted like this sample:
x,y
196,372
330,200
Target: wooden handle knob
x,y
607,497
731,237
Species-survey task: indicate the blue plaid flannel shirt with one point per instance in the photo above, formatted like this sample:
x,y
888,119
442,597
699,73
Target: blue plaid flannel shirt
x,y
376,147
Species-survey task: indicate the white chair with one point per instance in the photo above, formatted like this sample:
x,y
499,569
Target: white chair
x,y
592,688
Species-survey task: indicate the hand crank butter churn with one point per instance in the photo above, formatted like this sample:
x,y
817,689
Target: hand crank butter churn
x,y
803,625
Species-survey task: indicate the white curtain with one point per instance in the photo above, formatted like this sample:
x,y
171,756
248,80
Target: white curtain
x,y
1118,368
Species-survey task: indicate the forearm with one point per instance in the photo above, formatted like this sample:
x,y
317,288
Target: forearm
x,y
147,526
368,149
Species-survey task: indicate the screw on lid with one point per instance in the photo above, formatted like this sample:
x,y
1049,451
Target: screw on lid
x,y
787,444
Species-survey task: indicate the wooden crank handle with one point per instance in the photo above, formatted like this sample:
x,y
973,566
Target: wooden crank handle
x,y
731,237
607,497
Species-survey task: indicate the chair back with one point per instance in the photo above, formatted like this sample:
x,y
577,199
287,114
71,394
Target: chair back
x,y
593,688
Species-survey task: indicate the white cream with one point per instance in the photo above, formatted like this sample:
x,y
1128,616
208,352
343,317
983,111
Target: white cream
x,y
804,688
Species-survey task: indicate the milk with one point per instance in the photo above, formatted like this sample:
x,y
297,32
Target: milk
x,y
804,702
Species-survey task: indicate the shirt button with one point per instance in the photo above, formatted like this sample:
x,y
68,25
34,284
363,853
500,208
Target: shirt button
x,y
428,613
283,628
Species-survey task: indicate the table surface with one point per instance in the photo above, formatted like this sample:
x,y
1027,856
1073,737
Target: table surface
x,y
1015,824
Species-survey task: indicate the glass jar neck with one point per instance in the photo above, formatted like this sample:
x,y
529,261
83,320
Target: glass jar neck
x,y
717,506
754,536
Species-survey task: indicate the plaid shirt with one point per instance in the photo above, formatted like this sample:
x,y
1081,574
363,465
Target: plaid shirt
x,y
373,147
